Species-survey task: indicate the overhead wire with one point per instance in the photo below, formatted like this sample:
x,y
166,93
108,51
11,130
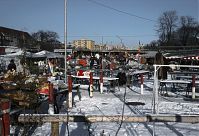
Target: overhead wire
x,y
112,35
120,11
123,12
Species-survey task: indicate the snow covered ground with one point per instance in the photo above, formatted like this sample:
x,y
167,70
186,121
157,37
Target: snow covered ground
x,y
112,104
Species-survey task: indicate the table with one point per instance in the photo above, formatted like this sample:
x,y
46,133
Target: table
x,y
134,76
110,79
175,74
96,78
172,81
185,77
64,90
138,72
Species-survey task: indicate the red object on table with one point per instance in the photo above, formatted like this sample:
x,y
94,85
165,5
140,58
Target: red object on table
x,y
80,73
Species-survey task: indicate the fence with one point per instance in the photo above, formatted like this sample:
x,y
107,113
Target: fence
x,y
155,109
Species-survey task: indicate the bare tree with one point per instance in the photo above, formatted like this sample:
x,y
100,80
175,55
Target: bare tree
x,y
196,34
46,39
187,29
153,45
167,24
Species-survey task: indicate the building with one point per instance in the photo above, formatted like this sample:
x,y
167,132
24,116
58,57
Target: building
x,y
12,37
69,49
62,51
101,47
83,43
8,49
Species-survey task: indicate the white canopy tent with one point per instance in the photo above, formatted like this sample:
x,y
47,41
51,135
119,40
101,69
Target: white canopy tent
x,y
5,59
17,54
46,54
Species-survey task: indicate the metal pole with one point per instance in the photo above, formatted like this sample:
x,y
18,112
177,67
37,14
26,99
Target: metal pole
x,y
65,37
102,40
154,96
153,102
155,91
120,40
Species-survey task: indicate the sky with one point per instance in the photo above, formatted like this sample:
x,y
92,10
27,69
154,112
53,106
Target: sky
x,y
112,22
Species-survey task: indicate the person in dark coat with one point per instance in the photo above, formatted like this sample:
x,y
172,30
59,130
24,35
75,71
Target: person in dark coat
x,y
11,65
92,60
161,60
122,77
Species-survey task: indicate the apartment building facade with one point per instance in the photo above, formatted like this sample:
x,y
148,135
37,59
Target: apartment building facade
x,y
84,43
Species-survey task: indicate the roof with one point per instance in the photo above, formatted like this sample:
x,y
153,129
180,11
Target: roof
x,y
6,31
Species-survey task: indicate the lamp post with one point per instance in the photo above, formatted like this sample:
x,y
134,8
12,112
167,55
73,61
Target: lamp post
x,y
122,44
69,99
65,38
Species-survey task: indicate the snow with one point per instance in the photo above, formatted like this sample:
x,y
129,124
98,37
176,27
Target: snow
x,y
111,103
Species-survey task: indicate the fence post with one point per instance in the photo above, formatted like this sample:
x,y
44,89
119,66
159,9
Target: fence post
x,y
193,87
5,108
91,85
51,99
141,81
101,81
54,128
70,102
155,91
111,69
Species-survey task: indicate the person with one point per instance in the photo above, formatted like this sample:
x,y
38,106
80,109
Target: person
x,y
51,67
11,65
122,77
161,60
92,61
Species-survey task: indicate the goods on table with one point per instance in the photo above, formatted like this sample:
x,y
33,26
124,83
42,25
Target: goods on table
x,y
21,89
